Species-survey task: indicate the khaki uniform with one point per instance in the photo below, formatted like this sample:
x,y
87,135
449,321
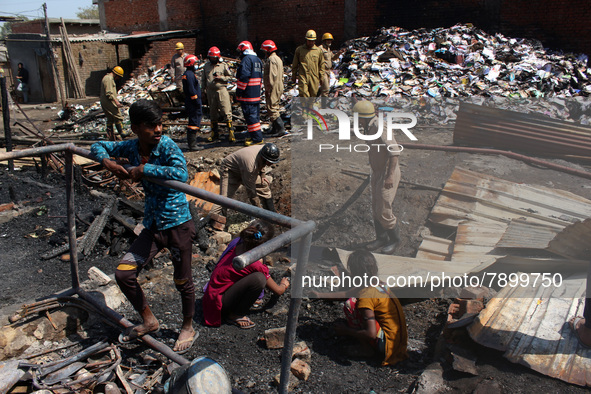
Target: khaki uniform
x,y
244,167
178,65
218,97
273,81
308,66
325,79
382,199
107,98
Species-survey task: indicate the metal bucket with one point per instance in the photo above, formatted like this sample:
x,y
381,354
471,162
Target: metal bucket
x,y
202,375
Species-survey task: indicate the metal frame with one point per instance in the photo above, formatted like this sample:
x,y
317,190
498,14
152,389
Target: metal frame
x,y
299,230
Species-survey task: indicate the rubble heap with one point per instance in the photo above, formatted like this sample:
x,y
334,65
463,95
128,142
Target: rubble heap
x,y
458,61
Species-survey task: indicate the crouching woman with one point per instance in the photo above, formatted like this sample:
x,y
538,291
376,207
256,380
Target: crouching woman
x,y
230,293
374,315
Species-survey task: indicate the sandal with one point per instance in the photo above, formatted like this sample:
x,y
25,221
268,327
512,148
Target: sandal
x,y
191,340
246,322
131,335
573,325
258,304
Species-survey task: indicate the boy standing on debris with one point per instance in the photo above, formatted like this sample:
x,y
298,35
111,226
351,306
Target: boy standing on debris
x,y
214,80
385,177
273,81
248,91
111,106
192,102
167,220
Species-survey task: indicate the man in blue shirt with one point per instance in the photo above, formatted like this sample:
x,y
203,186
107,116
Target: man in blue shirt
x,y
167,220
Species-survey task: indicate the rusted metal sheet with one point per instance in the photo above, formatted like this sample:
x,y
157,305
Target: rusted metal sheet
x,y
206,181
521,234
475,241
435,248
533,133
573,241
470,195
530,324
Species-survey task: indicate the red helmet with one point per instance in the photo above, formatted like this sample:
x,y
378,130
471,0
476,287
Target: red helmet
x,y
244,45
190,60
268,46
214,52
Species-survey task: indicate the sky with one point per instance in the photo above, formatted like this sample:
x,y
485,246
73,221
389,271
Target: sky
x,y
33,8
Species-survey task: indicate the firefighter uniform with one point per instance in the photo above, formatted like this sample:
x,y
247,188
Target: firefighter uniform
x,y
192,104
325,79
273,80
178,67
108,97
245,167
248,92
218,98
380,160
308,66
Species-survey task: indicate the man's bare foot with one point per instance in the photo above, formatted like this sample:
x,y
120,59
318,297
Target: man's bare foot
x,y
583,333
185,340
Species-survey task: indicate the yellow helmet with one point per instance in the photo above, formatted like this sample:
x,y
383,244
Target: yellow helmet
x,y
118,71
179,45
327,36
310,35
365,109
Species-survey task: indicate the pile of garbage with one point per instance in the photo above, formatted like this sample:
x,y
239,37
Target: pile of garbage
x,y
458,61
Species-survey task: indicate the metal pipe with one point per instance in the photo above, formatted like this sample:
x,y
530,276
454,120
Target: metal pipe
x,y
272,245
239,206
147,339
512,155
294,310
72,220
35,151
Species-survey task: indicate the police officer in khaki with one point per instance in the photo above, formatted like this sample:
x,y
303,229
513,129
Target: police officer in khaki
x,y
308,66
327,52
273,82
178,64
385,177
215,78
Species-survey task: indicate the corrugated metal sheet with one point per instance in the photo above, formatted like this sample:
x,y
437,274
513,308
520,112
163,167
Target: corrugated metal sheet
x,y
533,133
206,181
530,324
435,248
525,235
476,242
474,196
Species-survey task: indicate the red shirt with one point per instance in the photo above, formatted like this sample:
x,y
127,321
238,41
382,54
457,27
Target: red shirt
x,y
222,278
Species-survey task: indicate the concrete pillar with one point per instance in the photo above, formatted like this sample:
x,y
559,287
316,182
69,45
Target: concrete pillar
x,y
163,15
350,20
102,15
241,20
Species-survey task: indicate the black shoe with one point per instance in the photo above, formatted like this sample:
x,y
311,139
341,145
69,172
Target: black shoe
x,y
394,240
381,238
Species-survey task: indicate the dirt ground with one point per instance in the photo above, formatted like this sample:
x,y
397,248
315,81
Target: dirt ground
x,y
251,366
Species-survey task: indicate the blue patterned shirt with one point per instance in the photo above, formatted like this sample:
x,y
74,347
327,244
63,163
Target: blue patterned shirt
x,y
164,207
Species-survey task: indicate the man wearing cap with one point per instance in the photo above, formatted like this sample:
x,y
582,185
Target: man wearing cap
x,y
193,105
214,80
308,66
177,64
249,167
327,52
110,104
273,82
248,91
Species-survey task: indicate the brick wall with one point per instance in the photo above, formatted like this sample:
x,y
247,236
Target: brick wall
x,y
560,24
35,26
97,58
159,53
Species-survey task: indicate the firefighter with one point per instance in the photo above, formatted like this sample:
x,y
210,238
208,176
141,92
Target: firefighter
x,y
248,91
273,82
192,101
385,177
327,52
110,104
215,77
177,64
308,66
